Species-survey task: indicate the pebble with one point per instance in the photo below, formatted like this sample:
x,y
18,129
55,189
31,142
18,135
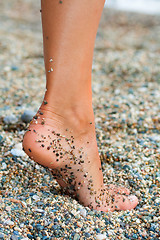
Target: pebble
x,y
35,197
27,116
1,139
83,212
10,119
4,166
39,210
14,237
76,236
101,237
1,235
18,153
9,222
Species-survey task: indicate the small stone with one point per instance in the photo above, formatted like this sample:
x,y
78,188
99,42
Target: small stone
x,y
83,212
8,208
14,68
29,236
27,116
4,165
7,68
39,210
76,237
18,153
1,235
9,222
87,235
1,139
10,119
101,236
35,197
39,227
14,237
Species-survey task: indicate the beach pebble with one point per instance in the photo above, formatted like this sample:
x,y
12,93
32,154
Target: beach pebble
x,y
1,235
4,165
35,197
155,138
14,68
17,150
9,222
39,210
76,237
27,116
7,68
14,237
21,225
1,139
10,119
101,237
83,212
18,153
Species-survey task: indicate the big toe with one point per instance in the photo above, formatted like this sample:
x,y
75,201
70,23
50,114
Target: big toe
x,y
118,189
125,202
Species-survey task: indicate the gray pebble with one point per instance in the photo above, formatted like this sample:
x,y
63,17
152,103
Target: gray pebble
x,y
27,116
1,236
14,237
1,138
10,119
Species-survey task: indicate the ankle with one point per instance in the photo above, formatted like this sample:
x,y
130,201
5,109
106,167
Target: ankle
x,y
78,118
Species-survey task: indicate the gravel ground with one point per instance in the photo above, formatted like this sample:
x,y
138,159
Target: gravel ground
x,y
126,98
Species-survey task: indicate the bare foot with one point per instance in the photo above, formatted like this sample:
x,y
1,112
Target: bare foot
x,y
72,155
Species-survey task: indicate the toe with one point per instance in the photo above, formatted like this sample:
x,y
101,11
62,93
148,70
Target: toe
x,y
123,202
119,189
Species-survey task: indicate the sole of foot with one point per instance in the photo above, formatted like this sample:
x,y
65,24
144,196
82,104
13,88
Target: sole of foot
x,y
74,162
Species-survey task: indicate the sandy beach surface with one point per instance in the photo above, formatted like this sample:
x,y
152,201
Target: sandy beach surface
x,y
126,99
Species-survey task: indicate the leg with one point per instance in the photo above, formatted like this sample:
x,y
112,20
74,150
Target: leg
x,y
62,134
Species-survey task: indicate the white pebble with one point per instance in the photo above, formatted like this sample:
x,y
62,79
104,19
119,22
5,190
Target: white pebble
x,y
9,222
117,91
18,146
18,153
7,68
8,208
39,210
35,197
101,236
4,165
21,225
83,212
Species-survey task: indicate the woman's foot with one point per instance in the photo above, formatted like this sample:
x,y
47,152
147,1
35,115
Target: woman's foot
x,y
67,145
